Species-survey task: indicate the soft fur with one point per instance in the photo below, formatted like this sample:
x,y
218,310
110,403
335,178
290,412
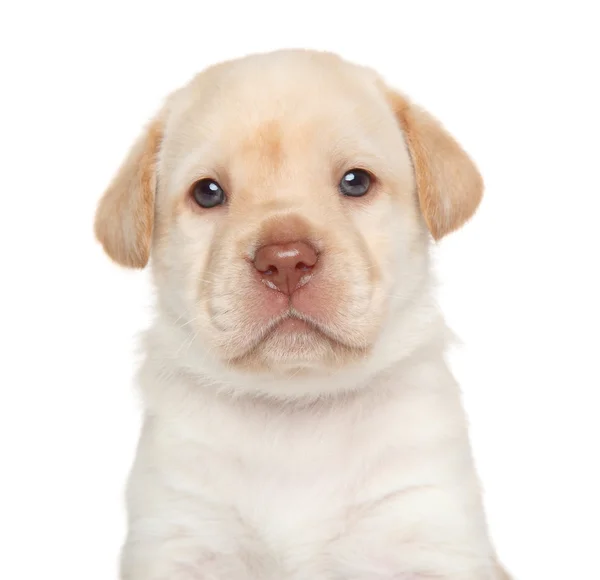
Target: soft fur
x,y
334,449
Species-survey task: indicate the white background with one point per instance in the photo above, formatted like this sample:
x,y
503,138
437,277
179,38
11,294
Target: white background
x,y
517,83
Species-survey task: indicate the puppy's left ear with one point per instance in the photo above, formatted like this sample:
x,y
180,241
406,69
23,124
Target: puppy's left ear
x,y
449,186
125,215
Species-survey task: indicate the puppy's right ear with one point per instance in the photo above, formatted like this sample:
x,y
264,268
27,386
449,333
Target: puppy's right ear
x,y
125,215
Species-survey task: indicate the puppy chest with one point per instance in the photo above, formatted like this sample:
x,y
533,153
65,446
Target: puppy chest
x,y
282,481
278,494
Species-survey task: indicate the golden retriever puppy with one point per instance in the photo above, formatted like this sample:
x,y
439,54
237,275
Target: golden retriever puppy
x,y
300,420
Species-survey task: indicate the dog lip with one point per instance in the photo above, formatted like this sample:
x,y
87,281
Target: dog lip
x,y
293,321
293,325
288,322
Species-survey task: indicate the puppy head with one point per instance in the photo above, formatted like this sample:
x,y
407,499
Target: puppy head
x,y
287,201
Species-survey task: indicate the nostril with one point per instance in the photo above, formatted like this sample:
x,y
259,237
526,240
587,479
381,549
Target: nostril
x,y
303,267
270,271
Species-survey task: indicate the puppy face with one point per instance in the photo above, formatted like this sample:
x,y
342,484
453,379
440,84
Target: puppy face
x,y
286,201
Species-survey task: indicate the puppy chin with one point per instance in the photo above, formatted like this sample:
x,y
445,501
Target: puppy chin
x,y
295,348
287,349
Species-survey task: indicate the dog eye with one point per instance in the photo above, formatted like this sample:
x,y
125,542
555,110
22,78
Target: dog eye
x,y
208,193
355,183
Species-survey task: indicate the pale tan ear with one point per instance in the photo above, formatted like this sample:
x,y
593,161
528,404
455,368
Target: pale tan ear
x,y
449,185
125,214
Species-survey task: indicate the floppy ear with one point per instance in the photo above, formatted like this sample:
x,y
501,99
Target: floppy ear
x,y
449,185
125,214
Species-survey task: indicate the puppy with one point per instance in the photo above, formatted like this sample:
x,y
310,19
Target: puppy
x,y
300,421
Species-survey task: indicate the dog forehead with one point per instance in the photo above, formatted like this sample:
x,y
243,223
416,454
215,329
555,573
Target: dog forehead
x,y
279,79
288,92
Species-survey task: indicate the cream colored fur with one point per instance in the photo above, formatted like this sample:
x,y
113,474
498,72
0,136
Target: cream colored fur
x,y
335,452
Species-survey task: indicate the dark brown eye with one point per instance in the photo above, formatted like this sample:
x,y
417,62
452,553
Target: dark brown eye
x,y
208,193
355,183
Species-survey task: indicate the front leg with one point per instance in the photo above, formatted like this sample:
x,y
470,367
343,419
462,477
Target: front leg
x,y
179,559
434,566
430,534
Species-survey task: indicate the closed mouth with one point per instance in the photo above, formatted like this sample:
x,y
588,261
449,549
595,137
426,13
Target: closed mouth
x,y
294,323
